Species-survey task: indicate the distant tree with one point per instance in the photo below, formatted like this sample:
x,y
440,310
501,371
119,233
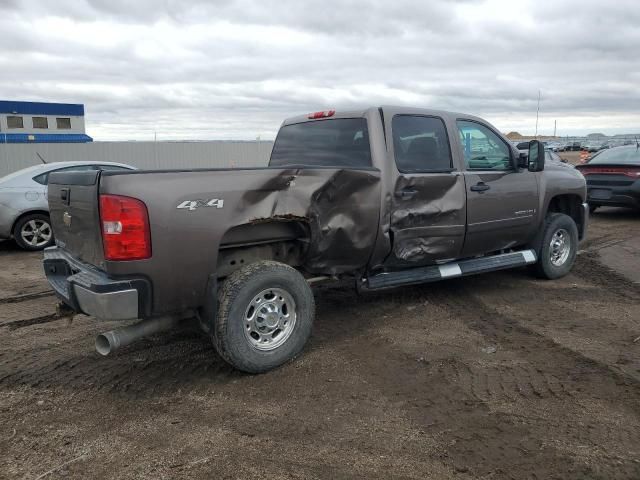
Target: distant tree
x,y
596,135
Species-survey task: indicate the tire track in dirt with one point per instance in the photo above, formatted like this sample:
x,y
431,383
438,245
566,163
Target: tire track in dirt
x,y
31,321
543,375
159,364
26,296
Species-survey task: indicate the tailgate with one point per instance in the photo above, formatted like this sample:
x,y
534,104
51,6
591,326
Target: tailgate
x,y
73,206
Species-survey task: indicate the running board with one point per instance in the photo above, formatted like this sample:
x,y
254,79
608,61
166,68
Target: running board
x,y
459,268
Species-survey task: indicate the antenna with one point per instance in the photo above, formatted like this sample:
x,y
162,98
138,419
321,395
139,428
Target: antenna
x,y
41,159
538,112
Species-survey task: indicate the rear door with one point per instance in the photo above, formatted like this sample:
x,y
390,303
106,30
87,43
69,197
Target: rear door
x,y
502,201
73,207
428,203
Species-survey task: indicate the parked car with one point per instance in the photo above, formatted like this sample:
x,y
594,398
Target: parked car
x,y
613,177
386,197
24,212
594,146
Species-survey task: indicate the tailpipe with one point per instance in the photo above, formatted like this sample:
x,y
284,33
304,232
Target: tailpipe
x,y
109,342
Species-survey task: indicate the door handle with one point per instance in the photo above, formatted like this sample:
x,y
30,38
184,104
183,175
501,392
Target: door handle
x,y
64,196
406,193
480,187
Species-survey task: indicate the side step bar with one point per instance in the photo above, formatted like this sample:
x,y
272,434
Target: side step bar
x,y
459,268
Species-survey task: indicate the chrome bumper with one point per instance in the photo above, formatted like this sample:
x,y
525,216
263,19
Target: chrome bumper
x,y
90,291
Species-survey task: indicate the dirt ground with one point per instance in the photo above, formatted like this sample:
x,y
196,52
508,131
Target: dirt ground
x,y
495,376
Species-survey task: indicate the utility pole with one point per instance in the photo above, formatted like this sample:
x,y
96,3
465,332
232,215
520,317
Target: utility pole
x,y
555,123
155,148
538,112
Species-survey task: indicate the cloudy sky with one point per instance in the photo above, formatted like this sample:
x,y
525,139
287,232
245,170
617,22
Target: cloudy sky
x,y
235,68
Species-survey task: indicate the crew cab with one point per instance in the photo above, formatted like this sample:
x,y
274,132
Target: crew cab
x,y
386,196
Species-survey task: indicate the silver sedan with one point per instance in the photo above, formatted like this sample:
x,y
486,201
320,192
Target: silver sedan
x,y
24,211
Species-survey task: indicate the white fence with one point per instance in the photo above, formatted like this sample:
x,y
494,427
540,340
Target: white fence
x,y
145,155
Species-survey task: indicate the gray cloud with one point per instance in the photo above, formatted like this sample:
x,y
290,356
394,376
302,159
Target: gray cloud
x,y
236,68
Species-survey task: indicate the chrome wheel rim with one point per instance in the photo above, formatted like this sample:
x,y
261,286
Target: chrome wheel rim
x,y
560,247
269,319
36,233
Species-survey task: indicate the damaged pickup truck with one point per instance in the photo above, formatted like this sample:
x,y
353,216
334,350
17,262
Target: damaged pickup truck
x,y
386,197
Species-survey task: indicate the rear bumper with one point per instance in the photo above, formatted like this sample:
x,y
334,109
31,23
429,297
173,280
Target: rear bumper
x,y
615,196
90,291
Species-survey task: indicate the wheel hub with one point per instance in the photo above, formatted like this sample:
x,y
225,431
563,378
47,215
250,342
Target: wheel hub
x,y
269,319
560,247
36,233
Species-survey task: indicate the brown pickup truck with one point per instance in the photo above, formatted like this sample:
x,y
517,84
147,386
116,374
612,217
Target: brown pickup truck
x,y
386,197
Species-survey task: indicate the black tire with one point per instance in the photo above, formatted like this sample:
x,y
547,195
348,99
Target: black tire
x,y
556,223
232,335
42,235
592,208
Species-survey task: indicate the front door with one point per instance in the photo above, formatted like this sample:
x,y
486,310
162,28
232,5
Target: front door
x,y
502,200
428,205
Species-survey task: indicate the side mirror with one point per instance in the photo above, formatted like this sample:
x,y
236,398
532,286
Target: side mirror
x,y
536,156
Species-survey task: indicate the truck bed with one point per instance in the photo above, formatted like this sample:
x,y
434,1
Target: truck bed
x,y
194,214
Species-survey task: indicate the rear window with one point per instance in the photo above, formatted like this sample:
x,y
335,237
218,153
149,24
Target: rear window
x,y
623,155
340,142
43,178
112,168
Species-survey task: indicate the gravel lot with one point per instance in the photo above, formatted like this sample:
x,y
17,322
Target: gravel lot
x,y
495,376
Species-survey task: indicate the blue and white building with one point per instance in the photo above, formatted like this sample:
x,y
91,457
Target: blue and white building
x,y
40,122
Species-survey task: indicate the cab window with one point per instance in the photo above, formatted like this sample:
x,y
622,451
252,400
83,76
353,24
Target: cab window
x,y
420,144
483,149
340,142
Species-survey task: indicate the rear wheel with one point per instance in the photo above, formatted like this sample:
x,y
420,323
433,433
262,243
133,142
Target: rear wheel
x,y
265,316
557,248
33,232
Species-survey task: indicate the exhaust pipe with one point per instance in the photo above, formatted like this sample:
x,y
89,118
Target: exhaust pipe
x,y
109,342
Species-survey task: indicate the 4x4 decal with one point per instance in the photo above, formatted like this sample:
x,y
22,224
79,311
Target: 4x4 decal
x,y
193,204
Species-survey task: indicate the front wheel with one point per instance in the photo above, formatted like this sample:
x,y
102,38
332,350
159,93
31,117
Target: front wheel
x,y
558,248
265,316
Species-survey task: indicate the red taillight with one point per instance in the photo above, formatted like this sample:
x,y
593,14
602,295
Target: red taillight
x,y
632,172
328,113
125,228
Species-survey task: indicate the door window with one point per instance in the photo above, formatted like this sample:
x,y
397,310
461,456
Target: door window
x,y
421,144
483,149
